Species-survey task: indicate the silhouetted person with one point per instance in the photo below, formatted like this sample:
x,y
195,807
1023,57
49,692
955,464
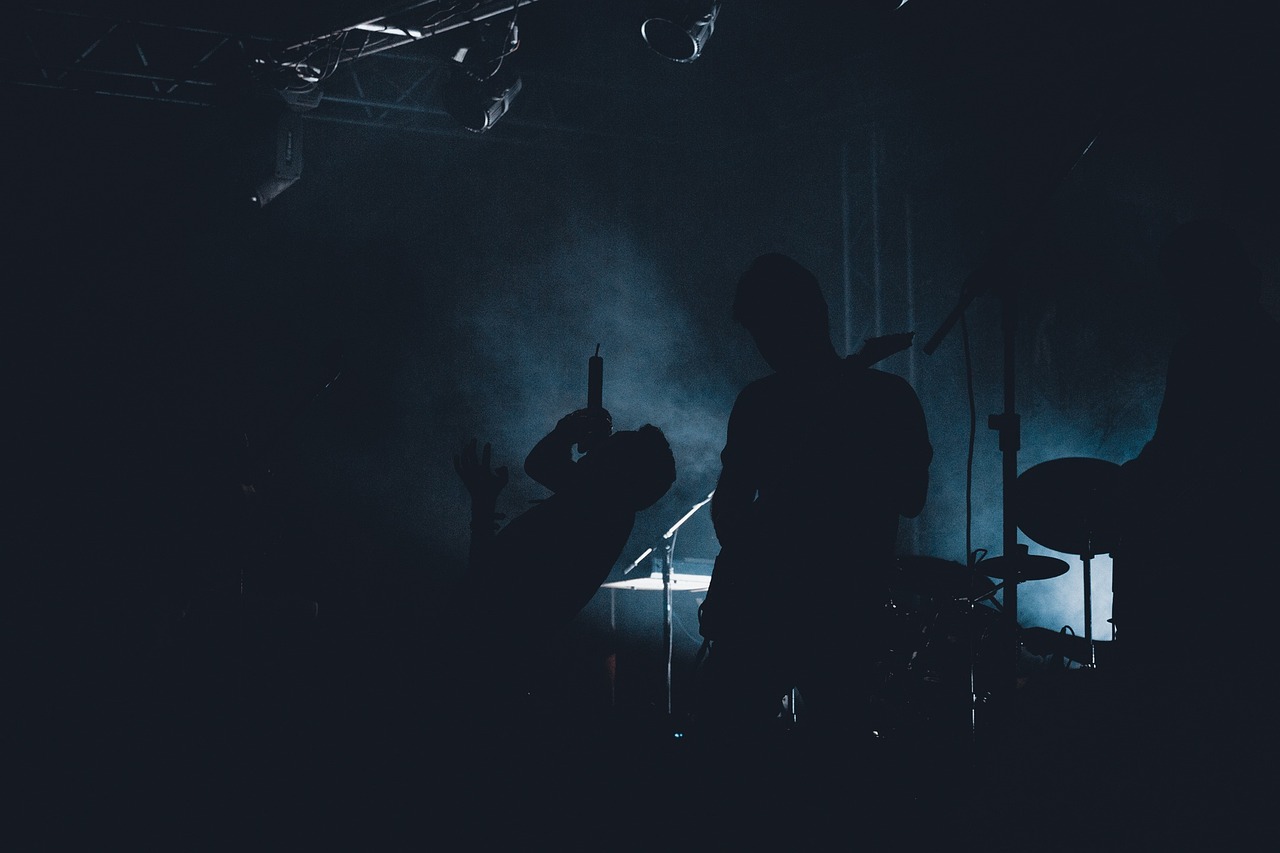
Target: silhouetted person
x,y
530,578
1195,571
521,745
821,460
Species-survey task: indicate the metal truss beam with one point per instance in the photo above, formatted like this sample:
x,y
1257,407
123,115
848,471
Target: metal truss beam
x,y
401,92
388,89
318,58
134,59
192,66
75,51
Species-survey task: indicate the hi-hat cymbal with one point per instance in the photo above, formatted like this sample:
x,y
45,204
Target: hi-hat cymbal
x,y
1023,567
1068,505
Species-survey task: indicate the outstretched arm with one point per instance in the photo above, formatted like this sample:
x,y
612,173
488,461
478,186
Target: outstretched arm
x,y
484,485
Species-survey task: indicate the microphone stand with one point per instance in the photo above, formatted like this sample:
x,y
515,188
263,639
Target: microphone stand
x,y
668,544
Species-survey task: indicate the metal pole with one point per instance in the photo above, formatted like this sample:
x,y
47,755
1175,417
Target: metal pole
x,y
914,356
667,561
847,249
875,229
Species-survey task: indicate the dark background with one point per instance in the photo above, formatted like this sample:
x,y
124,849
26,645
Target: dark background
x,y
456,283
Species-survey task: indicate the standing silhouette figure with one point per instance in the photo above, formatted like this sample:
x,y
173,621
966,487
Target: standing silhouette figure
x,y
822,459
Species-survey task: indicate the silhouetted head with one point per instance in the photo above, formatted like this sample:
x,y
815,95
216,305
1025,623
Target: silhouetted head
x,y
635,468
781,304
1207,270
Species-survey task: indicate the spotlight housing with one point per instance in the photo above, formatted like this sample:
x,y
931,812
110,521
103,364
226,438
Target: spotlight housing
x,y
479,89
680,31
477,104
275,141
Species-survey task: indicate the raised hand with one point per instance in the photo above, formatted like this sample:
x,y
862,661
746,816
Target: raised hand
x,y
482,482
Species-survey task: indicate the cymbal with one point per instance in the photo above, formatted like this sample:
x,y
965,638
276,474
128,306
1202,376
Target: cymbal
x,y
1024,567
680,582
934,576
1067,505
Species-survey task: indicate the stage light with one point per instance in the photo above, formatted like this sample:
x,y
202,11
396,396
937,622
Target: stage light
x,y
478,104
276,154
274,108
479,89
679,31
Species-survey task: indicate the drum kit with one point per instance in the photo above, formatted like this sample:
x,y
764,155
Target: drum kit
x,y
944,634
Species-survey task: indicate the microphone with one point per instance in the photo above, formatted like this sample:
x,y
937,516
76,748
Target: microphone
x,y
595,381
595,402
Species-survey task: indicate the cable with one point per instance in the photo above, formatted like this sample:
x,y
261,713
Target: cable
x,y
973,428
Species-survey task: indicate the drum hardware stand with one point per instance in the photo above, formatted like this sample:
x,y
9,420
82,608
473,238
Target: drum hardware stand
x,y
1085,560
1008,425
1069,507
994,275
